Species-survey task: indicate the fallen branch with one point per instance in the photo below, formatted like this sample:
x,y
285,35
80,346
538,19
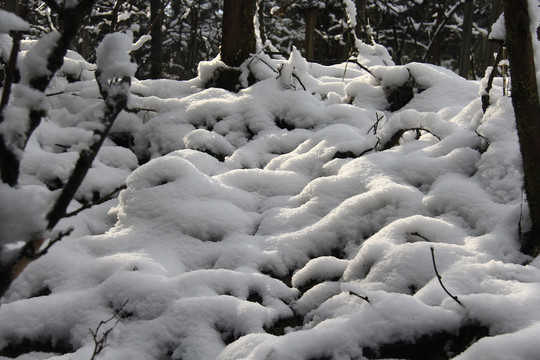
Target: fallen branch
x,y
365,298
455,298
100,342
394,139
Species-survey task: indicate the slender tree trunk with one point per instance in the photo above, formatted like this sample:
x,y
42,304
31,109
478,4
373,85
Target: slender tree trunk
x,y
192,51
487,47
466,35
155,46
435,51
311,22
526,109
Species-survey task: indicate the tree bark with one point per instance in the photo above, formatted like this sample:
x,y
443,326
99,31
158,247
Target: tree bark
x,y
466,35
238,36
192,51
434,53
155,46
526,109
311,22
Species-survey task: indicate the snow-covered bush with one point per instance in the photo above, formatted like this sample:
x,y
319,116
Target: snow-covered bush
x,y
40,195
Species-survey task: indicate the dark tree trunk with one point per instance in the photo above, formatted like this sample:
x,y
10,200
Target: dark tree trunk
x,y
155,45
311,22
192,51
238,41
526,109
466,31
434,54
488,47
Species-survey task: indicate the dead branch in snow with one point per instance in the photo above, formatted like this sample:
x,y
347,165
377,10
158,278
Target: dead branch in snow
x,y
365,298
394,139
100,341
455,298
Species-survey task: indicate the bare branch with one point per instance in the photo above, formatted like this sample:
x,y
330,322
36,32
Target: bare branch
x,y
455,298
58,237
486,98
419,235
365,298
101,200
115,102
100,342
376,124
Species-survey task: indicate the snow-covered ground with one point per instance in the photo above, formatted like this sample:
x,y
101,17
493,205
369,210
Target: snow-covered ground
x,y
283,221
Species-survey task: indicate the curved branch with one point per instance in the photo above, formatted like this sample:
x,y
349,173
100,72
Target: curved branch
x,y
455,298
394,139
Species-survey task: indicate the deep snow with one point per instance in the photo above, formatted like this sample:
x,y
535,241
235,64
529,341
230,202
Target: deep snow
x,y
272,223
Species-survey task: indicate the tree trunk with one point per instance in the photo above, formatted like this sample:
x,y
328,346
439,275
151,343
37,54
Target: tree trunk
x,y
434,54
526,109
238,41
155,45
192,51
466,35
488,47
311,22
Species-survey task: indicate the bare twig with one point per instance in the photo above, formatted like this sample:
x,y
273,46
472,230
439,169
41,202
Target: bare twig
x,y
96,202
363,67
100,342
58,237
437,32
376,124
264,62
365,298
420,236
486,98
455,298
300,81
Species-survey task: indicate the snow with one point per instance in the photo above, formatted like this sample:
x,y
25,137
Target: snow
x,y
11,22
272,223
113,57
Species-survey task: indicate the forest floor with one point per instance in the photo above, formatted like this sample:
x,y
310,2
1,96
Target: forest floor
x,y
324,212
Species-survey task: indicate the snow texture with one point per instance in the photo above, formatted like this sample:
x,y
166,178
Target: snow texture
x,y
271,224
11,22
